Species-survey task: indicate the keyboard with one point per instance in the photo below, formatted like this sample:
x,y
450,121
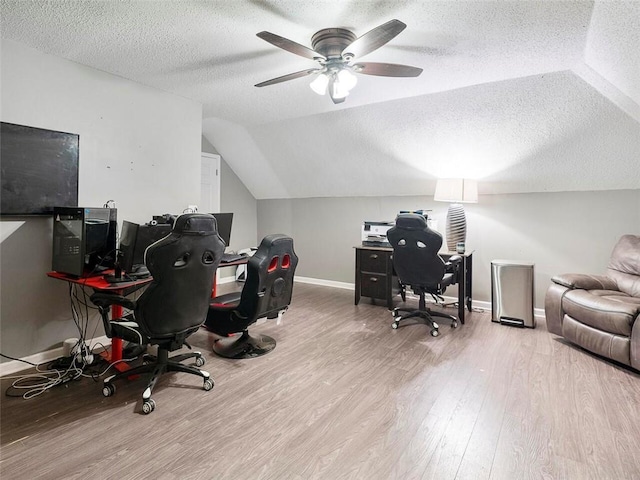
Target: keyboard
x,y
232,257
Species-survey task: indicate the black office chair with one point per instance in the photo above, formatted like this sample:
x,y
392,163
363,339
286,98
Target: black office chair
x,y
266,294
173,306
418,265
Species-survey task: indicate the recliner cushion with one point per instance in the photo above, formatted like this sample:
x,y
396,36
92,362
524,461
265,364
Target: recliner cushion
x,y
607,310
607,344
624,265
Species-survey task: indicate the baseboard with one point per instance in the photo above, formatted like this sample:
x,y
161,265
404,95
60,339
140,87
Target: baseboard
x,y
481,305
229,279
325,283
14,366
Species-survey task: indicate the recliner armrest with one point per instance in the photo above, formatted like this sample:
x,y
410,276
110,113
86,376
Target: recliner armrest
x,y
584,281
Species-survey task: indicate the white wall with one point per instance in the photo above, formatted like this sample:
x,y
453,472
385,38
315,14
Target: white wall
x,y
236,198
138,146
559,232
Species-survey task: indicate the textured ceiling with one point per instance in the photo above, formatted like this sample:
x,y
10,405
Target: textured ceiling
x,y
525,96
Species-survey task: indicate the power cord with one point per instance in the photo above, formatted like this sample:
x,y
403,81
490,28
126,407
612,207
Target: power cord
x,y
65,369
37,383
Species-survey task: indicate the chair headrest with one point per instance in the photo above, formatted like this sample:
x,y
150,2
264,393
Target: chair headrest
x,y
411,221
277,239
196,224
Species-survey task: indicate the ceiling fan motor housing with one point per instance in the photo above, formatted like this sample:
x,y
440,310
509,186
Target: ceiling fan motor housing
x,y
330,42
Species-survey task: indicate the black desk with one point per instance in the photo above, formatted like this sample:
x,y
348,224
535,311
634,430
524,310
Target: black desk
x,y
235,263
376,279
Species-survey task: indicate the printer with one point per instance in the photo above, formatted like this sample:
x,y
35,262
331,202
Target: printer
x,y
374,234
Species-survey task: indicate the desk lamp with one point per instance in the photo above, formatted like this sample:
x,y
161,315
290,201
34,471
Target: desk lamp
x,y
456,191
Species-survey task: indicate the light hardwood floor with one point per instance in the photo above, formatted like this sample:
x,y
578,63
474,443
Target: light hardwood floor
x,y
343,396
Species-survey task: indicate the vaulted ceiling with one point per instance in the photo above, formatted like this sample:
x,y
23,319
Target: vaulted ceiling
x,y
525,96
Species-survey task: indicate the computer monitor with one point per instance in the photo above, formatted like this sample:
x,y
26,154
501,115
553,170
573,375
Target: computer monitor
x,y
224,221
134,240
84,240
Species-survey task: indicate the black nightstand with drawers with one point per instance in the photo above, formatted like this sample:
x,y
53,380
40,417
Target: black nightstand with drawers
x,y
375,277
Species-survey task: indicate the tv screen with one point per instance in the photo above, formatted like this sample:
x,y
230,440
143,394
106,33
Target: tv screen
x,y
39,170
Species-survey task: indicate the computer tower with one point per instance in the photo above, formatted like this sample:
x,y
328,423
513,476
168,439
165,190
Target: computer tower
x,y
84,240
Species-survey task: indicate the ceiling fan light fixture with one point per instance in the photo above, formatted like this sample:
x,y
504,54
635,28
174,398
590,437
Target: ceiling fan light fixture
x,y
338,90
342,83
319,84
347,79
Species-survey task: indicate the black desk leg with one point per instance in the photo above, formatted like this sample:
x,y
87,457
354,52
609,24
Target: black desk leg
x,y
357,293
468,286
461,295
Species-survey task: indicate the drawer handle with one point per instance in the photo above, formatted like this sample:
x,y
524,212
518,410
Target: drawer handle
x,y
374,256
374,279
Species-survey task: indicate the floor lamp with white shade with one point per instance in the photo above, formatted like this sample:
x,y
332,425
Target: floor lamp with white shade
x,y
456,191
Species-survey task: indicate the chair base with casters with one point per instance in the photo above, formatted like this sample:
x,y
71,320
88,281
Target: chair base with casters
x,y
424,313
161,364
244,345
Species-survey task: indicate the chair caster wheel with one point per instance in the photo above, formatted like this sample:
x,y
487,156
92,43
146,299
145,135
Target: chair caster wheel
x,y
108,389
394,325
454,324
394,312
148,406
208,384
435,326
200,361
434,332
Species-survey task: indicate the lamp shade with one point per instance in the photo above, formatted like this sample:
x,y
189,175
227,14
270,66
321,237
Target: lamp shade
x,y
456,190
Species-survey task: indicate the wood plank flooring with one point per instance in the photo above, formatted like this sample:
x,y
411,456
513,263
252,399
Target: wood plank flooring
x,y
343,396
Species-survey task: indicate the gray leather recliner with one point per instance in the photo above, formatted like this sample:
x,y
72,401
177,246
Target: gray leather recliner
x,y
601,312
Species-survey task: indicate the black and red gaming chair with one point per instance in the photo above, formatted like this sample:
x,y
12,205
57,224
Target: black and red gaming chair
x,y
173,306
266,294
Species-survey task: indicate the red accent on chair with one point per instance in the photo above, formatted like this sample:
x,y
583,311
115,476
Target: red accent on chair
x,y
286,261
273,265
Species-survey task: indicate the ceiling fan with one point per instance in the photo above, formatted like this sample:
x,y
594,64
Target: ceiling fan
x,y
335,49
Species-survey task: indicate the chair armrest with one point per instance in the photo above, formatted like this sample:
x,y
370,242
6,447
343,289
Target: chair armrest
x,y
104,300
454,266
585,282
453,260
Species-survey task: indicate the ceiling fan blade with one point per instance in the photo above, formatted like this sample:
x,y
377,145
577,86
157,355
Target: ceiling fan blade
x,y
387,69
290,45
373,39
290,76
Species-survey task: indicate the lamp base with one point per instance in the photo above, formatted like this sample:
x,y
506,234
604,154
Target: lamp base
x,y
456,226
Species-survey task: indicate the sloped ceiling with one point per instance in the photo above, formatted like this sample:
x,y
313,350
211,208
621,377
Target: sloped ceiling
x,y
524,96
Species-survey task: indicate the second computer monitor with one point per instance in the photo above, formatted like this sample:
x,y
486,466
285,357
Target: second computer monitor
x,y
134,240
224,221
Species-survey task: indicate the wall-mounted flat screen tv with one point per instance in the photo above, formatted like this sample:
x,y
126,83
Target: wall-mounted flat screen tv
x,y
39,170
